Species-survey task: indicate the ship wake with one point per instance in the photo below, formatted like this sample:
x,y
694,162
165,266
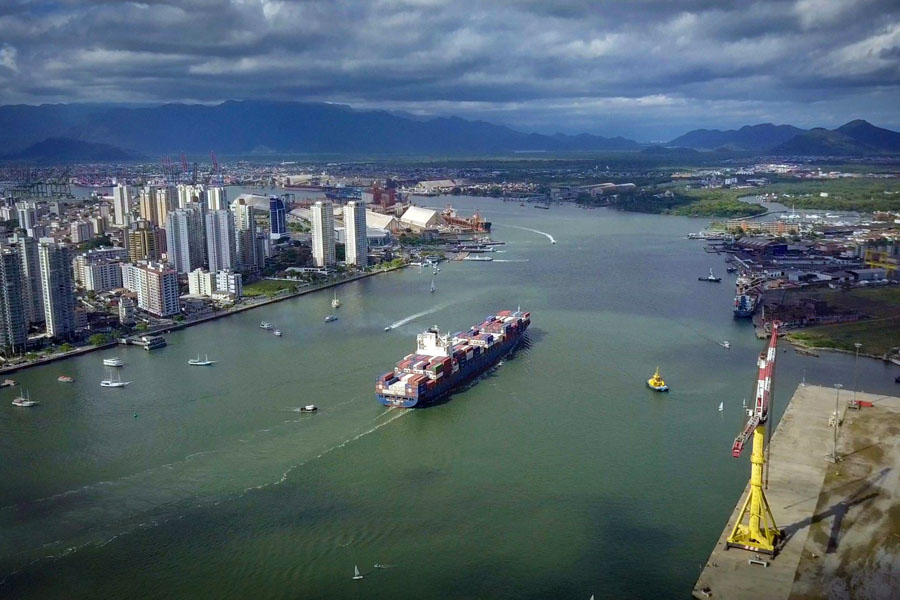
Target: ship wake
x,y
537,231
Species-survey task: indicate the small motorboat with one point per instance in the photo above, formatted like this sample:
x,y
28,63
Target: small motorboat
x,y
656,383
725,344
24,400
265,325
277,333
115,361
309,408
65,379
7,383
710,278
388,328
330,318
197,362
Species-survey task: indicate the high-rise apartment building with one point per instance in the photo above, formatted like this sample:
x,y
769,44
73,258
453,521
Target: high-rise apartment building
x,y
13,324
147,205
184,240
322,217
166,201
80,231
356,247
26,214
142,242
277,218
56,284
245,236
220,240
121,205
216,198
30,271
156,286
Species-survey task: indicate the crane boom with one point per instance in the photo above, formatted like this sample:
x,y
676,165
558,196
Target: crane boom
x,y
760,409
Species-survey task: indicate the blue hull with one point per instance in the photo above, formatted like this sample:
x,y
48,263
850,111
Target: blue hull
x,y
467,371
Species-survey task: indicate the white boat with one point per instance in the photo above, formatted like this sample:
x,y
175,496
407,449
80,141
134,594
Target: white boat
x,y
113,383
196,362
330,318
710,278
115,361
356,573
388,328
265,325
309,408
277,332
725,344
432,285
335,303
23,399
721,406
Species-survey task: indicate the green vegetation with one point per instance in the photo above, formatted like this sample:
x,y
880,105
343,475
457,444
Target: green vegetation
x,y
142,327
861,194
689,202
98,339
66,347
268,287
97,242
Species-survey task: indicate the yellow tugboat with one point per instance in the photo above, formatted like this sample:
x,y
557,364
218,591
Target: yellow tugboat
x,y
656,383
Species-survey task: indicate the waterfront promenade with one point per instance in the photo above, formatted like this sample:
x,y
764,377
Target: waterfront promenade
x,y
246,304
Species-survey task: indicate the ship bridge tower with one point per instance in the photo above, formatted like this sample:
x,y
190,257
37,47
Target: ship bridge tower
x,y
755,527
432,343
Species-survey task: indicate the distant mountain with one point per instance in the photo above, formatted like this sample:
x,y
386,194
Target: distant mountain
x,y
853,139
240,127
668,150
752,138
61,150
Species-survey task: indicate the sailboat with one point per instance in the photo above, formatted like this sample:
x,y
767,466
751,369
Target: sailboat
x,y
721,406
356,573
23,399
115,383
196,362
432,284
335,303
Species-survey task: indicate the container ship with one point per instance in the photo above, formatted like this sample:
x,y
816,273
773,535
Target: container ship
x,y
442,363
747,290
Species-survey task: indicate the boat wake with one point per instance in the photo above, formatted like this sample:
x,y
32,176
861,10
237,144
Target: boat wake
x,y
538,231
511,260
412,318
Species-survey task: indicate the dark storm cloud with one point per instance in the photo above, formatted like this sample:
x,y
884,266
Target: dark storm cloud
x,y
646,68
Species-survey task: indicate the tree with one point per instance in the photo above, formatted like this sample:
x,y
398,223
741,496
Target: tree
x,y
141,327
98,339
66,347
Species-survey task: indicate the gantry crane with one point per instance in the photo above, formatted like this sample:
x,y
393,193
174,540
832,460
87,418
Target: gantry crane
x,y
880,260
755,527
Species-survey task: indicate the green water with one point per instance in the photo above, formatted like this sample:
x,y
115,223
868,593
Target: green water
x,y
559,475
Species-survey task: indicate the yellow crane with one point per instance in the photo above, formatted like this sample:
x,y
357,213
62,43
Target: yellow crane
x,y
755,528
880,260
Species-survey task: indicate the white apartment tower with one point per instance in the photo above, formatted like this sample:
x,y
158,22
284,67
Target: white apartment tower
x,y
220,240
216,198
184,240
121,205
357,248
56,284
245,236
323,233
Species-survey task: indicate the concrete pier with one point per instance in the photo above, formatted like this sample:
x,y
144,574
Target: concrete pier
x,y
841,520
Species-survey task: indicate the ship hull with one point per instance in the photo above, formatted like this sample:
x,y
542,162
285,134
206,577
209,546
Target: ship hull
x,y
467,372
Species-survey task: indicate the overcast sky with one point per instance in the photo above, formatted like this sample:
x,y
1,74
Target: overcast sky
x,y
646,69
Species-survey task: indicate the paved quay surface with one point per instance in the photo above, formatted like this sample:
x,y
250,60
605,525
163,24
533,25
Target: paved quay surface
x,y
840,520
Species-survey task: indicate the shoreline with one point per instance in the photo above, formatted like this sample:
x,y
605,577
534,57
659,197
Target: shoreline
x,y
200,320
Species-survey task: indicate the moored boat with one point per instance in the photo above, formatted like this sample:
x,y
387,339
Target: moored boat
x,y
65,379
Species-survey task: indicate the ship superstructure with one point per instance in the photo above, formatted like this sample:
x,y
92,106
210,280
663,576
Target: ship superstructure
x,y
747,290
444,362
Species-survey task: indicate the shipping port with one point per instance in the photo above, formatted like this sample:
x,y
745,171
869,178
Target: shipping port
x,y
442,363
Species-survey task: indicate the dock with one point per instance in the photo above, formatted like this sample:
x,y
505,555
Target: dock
x,y
840,520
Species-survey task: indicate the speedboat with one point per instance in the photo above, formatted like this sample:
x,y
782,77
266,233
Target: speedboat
x,y
65,379
23,399
196,362
725,344
388,328
115,361
309,408
330,318
656,382
277,333
265,325
710,278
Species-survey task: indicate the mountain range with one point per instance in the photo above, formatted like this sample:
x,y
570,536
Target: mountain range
x,y
98,132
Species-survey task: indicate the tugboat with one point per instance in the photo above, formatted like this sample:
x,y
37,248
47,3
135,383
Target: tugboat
x,y
710,278
656,383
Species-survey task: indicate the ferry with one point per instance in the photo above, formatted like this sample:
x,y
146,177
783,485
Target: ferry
x,y
115,361
152,342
